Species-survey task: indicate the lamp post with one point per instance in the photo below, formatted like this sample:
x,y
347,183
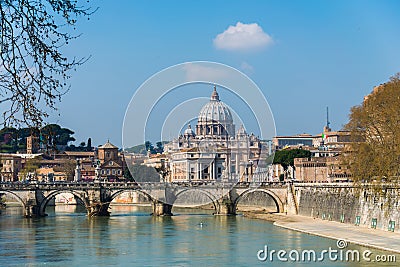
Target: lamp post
x,y
251,170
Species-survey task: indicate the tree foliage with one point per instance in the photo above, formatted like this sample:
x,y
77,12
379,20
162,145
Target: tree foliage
x,y
68,167
52,137
154,150
89,144
33,68
375,129
29,170
286,157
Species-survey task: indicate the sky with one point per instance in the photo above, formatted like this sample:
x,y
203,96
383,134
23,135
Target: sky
x,y
302,55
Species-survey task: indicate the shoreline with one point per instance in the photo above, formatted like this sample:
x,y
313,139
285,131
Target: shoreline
x,y
358,235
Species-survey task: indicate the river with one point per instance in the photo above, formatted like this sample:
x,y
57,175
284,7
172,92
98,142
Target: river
x,y
131,237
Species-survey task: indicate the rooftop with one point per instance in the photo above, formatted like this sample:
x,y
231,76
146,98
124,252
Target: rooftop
x,y
108,145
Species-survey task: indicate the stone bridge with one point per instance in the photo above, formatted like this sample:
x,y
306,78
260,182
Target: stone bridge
x,y
97,196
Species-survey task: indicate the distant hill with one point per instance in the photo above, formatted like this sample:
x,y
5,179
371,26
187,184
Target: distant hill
x,y
139,149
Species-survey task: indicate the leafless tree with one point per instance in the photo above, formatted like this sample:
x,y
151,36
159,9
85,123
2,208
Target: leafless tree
x,y
33,68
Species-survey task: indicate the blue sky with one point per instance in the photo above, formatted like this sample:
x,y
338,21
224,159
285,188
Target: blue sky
x,y
319,53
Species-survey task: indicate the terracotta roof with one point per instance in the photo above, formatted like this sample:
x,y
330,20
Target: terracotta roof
x,y
80,153
108,145
191,149
158,156
114,164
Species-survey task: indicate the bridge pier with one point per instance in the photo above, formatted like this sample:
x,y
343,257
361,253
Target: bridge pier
x,y
227,207
33,211
98,209
162,209
31,207
97,202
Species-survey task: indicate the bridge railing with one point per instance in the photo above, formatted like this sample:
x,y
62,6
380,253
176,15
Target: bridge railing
x,y
96,184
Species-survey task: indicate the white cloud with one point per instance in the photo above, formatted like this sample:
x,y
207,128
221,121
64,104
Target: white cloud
x,y
242,37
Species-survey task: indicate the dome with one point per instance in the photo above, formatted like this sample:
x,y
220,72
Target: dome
x,y
215,119
189,131
215,111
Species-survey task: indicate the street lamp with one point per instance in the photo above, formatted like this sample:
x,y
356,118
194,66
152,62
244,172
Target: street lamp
x,y
251,170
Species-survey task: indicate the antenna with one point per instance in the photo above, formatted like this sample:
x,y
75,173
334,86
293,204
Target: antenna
x,y
327,118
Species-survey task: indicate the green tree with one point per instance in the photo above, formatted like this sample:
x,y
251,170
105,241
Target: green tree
x,y
286,157
13,140
89,144
29,169
149,147
160,147
34,71
53,135
374,153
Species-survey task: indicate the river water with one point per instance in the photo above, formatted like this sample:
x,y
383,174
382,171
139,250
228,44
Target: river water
x,y
131,237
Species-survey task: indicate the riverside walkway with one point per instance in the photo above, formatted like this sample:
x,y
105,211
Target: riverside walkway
x,y
374,238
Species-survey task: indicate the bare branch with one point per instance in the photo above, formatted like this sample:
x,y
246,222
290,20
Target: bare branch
x,y
33,71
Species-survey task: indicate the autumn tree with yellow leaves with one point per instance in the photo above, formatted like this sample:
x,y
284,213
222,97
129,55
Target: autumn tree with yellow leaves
x,y
374,154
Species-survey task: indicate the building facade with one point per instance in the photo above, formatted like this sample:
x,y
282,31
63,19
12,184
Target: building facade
x,y
214,151
10,165
110,164
300,140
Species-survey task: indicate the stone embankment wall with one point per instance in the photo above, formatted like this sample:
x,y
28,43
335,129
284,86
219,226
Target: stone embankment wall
x,y
345,202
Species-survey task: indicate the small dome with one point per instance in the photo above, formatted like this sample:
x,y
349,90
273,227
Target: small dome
x,y
241,130
189,131
215,111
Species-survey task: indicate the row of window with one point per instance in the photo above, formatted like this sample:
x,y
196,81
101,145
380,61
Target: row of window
x,y
215,129
108,172
206,170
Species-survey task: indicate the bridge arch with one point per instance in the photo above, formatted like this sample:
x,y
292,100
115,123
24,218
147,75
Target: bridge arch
x,y
16,196
278,202
211,197
119,192
46,199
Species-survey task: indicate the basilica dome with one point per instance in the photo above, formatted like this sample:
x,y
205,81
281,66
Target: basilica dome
x,y
215,110
215,118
